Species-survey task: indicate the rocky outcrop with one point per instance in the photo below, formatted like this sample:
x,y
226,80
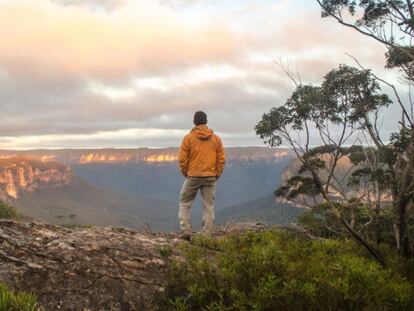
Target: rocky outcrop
x,y
89,268
19,174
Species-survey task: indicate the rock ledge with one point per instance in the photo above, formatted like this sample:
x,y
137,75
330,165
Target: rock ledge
x,y
88,268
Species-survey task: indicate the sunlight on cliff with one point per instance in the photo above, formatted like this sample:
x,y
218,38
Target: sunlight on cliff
x,y
160,158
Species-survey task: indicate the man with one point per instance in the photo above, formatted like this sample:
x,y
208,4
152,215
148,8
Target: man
x,y
201,158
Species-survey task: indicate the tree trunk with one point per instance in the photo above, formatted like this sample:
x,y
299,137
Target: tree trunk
x,y
405,249
397,236
353,220
354,234
374,252
405,165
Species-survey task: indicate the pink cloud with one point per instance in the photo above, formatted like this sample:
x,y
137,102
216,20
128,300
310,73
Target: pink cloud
x,y
42,36
70,69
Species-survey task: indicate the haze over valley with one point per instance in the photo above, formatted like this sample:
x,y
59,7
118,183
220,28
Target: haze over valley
x,y
137,188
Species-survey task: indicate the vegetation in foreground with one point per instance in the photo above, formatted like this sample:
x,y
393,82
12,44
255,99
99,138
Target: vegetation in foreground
x,y
10,301
276,270
346,111
8,212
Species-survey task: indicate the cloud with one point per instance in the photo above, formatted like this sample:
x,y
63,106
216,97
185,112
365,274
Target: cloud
x,y
181,3
108,5
71,74
137,39
111,5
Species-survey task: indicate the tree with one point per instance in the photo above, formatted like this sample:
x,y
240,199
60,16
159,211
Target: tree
x,y
347,101
390,22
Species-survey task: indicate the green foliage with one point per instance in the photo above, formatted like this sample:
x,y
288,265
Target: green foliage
x,y
376,228
374,13
165,252
272,124
348,101
299,108
347,96
7,212
389,22
296,186
351,93
275,270
22,301
400,56
400,141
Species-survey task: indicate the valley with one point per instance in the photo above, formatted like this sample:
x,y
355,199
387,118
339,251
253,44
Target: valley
x,y
137,188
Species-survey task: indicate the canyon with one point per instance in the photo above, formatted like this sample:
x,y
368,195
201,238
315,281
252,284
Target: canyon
x,y
26,174
136,188
139,188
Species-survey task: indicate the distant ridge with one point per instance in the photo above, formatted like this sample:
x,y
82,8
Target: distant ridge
x,y
142,155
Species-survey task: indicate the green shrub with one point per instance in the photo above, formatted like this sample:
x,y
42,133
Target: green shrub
x,y
22,301
7,212
275,270
322,223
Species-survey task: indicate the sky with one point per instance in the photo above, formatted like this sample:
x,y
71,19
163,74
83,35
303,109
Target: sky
x,y
131,73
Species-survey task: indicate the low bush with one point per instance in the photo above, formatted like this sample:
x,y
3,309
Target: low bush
x,y
275,270
21,301
377,229
7,212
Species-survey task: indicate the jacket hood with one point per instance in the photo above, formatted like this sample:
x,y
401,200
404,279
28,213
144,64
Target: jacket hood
x,y
202,132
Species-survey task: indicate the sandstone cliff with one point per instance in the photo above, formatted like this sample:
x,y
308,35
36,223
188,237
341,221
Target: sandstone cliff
x,y
19,174
144,155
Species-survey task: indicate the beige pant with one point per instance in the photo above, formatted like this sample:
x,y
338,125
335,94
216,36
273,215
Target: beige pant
x,y
207,186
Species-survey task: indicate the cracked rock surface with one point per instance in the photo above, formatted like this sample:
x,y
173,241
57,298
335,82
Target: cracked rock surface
x,y
88,268
83,268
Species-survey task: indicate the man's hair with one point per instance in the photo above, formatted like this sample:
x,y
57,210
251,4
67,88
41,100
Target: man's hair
x,y
200,118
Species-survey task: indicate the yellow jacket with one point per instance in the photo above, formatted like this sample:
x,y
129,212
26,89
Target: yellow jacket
x,y
201,153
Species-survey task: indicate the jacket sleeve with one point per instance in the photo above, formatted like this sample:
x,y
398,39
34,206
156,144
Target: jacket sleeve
x,y
184,155
221,158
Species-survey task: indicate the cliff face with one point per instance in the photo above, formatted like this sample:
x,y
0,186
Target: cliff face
x,y
171,156
342,173
19,174
145,156
116,157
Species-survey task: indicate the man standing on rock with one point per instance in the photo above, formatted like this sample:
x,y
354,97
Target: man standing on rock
x,y
201,158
